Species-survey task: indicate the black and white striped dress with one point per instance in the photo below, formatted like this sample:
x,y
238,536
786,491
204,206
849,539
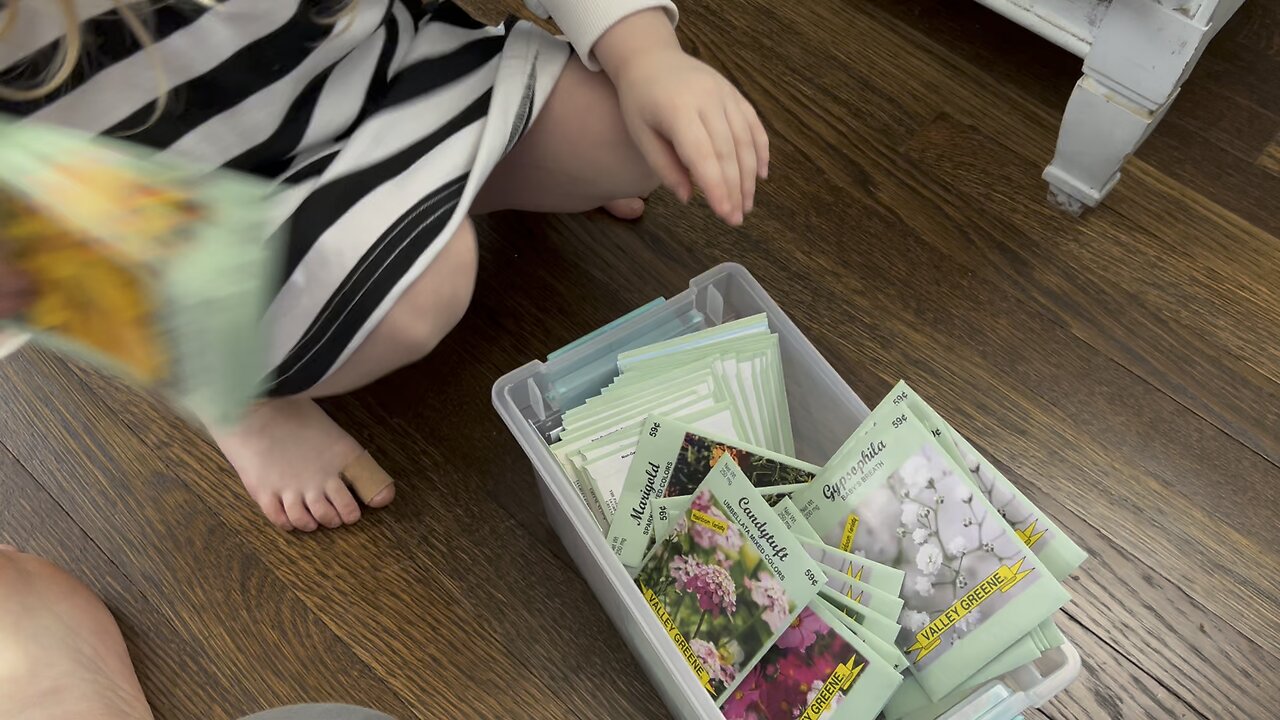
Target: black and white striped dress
x,y
379,129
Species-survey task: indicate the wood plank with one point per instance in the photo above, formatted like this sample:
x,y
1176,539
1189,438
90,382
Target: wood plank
x,y
31,520
1269,158
1201,333
167,542
1112,686
475,606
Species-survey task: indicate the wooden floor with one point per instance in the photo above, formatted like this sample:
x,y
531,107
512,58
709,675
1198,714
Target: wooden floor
x,y
1125,368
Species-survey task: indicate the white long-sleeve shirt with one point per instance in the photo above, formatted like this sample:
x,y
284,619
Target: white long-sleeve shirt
x,y
584,21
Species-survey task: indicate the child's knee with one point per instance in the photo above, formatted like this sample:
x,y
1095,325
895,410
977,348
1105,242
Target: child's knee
x,y
437,300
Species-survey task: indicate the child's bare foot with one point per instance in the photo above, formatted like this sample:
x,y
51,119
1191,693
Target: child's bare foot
x,y
291,457
61,653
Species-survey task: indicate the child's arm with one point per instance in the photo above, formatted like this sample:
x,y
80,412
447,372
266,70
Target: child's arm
x,y
692,125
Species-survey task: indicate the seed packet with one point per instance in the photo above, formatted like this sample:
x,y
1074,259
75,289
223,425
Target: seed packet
x,y
1053,636
148,268
888,579
573,388
1056,550
605,470
605,328
748,364
973,588
754,325
667,510
912,703
670,461
878,601
727,580
884,649
616,426
818,669
875,623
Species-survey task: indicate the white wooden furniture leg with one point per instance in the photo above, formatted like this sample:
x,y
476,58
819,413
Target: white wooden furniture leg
x,y
1142,52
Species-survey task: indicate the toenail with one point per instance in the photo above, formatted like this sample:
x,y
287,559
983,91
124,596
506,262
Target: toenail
x,y
8,548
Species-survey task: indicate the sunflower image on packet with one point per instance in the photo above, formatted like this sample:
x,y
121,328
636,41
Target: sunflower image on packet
x,y
147,267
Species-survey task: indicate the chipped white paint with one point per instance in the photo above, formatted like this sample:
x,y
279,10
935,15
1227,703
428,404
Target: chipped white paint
x,y
1137,54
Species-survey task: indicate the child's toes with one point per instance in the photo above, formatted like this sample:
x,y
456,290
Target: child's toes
x,y
299,515
273,509
322,510
343,501
383,498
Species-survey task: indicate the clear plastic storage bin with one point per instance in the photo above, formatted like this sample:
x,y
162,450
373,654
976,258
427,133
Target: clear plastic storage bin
x,y
824,412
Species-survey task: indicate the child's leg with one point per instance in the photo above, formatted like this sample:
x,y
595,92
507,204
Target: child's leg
x,y
576,157
61,653
289,453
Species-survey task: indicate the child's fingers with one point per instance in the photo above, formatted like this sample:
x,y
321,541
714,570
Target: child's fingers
x,y
696,151
745,146
666,163
759,135
727,159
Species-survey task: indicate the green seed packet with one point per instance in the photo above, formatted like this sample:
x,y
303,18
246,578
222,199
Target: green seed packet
x,y
754,325
616,426
817,669
605,476
1053,636
888,579
570,389
606,328
727,581
886,650
667,510
973,588
1059,553
877,600
876,624
146,267
670,460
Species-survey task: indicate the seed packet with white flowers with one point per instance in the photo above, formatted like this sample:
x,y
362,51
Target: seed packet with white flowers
x,y
727,580
1059,553
973,587
879,601
670,461
885,649
875,623
818,670
883,577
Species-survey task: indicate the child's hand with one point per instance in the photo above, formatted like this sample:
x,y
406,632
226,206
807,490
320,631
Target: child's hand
x,y
687,119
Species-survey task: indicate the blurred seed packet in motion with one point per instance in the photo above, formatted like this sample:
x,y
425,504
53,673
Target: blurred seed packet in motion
x,y
141,265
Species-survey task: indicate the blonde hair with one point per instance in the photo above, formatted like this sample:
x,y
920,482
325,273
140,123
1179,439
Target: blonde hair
x,y
136,15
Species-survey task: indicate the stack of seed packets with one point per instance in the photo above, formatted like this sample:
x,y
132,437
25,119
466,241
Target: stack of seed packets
x,y
907,492
725,381
739,597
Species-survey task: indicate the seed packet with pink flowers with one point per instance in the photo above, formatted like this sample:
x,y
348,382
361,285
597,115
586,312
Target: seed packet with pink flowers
x,y
671,460
973,587
667,510
818,670
727,580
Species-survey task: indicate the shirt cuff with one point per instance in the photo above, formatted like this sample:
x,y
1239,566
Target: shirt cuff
x,y
584,21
